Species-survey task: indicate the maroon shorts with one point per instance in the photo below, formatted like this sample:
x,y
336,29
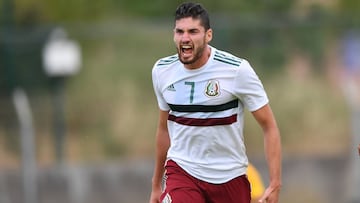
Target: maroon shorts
x,y
180,187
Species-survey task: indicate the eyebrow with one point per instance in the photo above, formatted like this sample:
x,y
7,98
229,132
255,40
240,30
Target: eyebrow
x,y
190,30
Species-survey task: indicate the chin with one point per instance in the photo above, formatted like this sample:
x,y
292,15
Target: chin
x,y
187,62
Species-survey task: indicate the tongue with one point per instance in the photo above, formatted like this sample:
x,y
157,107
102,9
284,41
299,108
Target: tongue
x,y
187,51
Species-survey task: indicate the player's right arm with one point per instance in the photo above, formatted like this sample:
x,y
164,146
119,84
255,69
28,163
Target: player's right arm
x,y
162,146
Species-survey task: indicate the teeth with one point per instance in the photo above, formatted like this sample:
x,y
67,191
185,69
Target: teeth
x,y
186,47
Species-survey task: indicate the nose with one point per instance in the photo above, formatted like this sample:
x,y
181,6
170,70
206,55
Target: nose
x,y
185,37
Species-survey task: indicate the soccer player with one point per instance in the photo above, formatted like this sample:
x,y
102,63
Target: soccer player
x,y
202,93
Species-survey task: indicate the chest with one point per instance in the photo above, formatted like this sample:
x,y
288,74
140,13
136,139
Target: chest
x,y
199,89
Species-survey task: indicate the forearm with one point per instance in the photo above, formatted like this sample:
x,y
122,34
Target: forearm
x,y
158,171
162,146
272,147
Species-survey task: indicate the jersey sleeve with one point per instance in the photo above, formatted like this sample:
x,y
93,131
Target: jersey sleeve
x,y
158,90
248,88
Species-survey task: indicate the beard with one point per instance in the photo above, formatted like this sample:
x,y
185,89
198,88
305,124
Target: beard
x,y
196,55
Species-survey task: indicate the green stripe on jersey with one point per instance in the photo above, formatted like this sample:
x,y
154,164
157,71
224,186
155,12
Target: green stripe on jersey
x,y
168,60
204,108
227,58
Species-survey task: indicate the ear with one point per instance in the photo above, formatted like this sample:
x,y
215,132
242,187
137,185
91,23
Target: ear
x,y
208,35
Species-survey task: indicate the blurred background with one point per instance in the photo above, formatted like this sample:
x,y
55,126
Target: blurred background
x,y
78,113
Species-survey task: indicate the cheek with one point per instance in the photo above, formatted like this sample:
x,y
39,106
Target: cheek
x,y
176,40
199,41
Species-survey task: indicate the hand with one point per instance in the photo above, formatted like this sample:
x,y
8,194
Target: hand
x,y
271,195
155,196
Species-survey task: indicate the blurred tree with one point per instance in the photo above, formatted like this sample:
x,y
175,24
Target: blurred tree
x,y
349,9
89,10
20,49
6,51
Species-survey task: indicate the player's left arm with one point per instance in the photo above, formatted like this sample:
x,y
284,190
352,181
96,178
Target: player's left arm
x,y
272,146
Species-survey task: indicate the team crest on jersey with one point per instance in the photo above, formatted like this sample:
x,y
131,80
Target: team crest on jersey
x,y
212,88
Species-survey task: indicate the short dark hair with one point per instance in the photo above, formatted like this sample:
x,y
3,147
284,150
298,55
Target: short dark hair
x,y
194,10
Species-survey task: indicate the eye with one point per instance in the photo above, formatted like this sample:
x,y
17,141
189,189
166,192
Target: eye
x,y
179,31
193,31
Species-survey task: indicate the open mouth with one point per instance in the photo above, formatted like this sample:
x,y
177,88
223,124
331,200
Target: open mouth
x,y
186,50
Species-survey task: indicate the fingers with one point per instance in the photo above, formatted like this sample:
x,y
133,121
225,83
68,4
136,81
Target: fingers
x,y
271,195
265,196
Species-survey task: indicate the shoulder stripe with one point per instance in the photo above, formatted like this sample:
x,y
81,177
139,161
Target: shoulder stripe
x,y
227,58
228,62
168,60
204,108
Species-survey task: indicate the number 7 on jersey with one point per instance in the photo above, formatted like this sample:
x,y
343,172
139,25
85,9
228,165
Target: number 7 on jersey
x,y
192,84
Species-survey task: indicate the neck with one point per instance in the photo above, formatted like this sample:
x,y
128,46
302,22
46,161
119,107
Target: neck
x,y
201,61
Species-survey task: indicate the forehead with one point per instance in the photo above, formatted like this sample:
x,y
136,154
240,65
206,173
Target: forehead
x,y
188,23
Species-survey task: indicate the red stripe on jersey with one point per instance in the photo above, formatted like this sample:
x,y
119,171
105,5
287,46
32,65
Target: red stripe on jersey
x,y
203,121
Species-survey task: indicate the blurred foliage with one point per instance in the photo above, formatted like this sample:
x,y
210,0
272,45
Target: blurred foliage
x,y
264,31
349,10
111,103
60,11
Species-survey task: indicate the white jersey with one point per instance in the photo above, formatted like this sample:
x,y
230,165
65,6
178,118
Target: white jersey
x,y
206,113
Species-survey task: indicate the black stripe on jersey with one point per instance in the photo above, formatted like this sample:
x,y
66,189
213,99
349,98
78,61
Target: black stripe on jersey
x,y
203,121
225,58
168,60
204,108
